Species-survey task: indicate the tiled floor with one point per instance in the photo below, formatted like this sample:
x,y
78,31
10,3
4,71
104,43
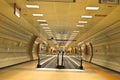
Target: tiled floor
x,y
27,71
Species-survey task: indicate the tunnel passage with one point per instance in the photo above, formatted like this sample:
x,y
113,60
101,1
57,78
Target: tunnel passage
x,y
17,34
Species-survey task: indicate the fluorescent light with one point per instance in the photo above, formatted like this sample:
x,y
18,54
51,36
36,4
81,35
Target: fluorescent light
x,y
46,28
80,25
49,32
76,31
92,8
82,22
44,24
37,14
74,34
32,6
41,20
86,16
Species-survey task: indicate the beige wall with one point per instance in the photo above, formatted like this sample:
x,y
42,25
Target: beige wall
x,y
105,37
12,52
107,50
16,38
106,47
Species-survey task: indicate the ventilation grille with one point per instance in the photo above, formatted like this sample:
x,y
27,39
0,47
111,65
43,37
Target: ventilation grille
x,y
109,1
69,1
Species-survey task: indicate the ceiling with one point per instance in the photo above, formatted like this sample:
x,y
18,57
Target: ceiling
x,y
62,16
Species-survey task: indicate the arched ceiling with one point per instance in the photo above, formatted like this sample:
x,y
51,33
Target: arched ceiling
x,y
63,17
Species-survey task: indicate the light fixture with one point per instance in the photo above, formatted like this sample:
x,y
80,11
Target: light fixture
x,y
41,20
48,30
45,27
37,14
82,22
44,24
32,6
73,35
92,8
80,25
86,16
50,34
76,31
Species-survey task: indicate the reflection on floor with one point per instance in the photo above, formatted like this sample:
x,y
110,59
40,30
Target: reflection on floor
x,y
27,71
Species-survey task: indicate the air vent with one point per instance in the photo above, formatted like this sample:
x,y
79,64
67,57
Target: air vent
x,y
109,1
69,1
100,15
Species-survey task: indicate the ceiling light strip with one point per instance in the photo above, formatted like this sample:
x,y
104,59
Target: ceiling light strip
x,y
41,20
82,22
32,6
37,14
44,24
80,25
86,17
92,8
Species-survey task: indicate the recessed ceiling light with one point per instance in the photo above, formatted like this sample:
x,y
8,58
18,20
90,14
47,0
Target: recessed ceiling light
x,y
76,31
37,14
45,27
41,20
92,8
80,25
49,33
72,36
86,16
32,6
48,30
44,24
82,22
